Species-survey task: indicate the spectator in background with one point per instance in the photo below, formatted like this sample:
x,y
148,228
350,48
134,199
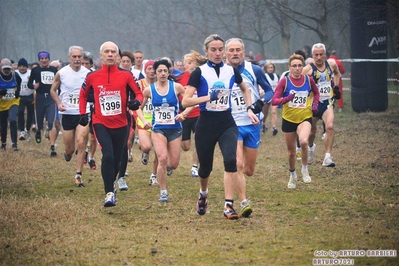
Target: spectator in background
x,y
341,69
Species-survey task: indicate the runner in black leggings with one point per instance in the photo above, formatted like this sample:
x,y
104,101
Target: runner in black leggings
x,y
213,82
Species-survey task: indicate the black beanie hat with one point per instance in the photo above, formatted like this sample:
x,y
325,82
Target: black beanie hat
x,y
23,62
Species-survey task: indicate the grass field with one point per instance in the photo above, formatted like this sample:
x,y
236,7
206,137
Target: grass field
x,y
46,220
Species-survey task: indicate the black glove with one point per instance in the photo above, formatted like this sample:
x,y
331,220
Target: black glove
x,y
16,94
134,105
3,92
337,94
84,120
214,95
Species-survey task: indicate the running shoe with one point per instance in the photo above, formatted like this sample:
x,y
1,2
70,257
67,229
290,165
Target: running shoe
x,y
22,135
144,158
153,180
202,204
78,181
275,131
38,136
122,184
34,129
328,162
264,128
169,171
246,208
323,136
52,151
67,157
194,171
306,177
109,200
292,181
230,213
14,147
311,153
92,164
163,197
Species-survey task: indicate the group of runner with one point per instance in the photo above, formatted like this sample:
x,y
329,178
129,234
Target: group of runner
x,y
219,98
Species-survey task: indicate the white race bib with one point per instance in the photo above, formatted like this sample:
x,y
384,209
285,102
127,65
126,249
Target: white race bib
x,y
73,101
164,115
237,101
110,105
299,100
325,90
221,104
10,95
47,77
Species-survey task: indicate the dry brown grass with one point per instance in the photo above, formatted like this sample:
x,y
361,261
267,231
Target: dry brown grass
x,y
45,220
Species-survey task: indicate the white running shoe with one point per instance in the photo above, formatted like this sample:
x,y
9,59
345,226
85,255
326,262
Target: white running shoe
x,y
306,177
311,153
122,184
328,162
163,197
153,180
194,171
22,135
292,181
109,200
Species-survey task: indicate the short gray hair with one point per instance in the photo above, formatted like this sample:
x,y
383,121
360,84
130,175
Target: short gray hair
x,y
235,40
75,47
318,45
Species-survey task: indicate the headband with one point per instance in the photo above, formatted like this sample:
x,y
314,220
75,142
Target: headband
x,y
43,54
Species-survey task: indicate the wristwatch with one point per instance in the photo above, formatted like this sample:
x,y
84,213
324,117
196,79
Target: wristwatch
x,y
252,107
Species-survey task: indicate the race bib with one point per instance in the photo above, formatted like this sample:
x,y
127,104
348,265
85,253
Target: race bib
x,y
73,101
148,108
299,100
24,87
324,89
164,115
237,101
47,77
110,105
221,104
10,95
